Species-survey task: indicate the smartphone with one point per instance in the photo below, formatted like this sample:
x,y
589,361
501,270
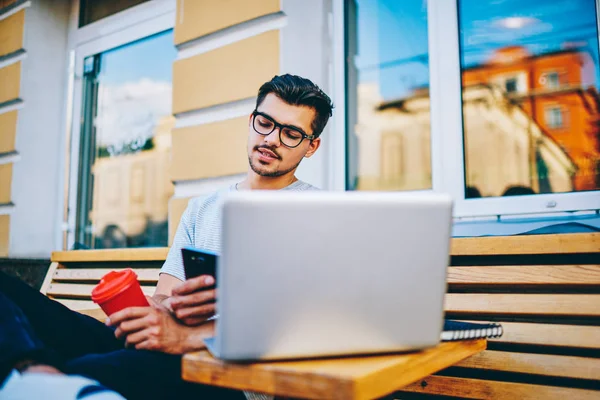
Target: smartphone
x,y
198,262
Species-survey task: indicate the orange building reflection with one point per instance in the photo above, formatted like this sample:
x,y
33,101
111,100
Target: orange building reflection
x,y
558,91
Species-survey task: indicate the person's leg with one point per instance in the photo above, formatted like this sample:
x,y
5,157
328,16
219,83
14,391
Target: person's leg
x,y
18,342
140,374
65,331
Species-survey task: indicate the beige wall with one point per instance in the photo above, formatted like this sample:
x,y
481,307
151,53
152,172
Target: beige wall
x,y
11,41
219,74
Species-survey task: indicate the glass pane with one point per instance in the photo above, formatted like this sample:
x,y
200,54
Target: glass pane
x,y
530,78
388,95
93,10
125,186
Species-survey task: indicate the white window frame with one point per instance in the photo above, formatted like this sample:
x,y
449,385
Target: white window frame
x,y
553,114
447,152
127,26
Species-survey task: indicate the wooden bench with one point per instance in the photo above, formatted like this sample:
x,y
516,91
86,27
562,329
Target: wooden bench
x,y
73,274
545,290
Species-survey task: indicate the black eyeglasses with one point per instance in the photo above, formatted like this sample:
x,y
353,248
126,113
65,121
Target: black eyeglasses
x,y
290,136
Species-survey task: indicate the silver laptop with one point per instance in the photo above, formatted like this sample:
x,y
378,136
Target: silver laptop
x,y
310,274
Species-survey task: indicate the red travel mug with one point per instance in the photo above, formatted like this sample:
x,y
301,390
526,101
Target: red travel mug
x,y
118,290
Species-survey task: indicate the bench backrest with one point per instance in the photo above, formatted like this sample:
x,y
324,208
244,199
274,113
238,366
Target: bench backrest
x,y
73,274
545,291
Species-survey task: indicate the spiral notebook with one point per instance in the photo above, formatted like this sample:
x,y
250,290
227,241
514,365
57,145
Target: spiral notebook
x,y
459,330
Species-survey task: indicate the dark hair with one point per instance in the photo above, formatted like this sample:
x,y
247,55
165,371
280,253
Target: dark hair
x,y
299,91
518,190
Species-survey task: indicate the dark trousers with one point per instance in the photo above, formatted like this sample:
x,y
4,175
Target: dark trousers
x,y
35,327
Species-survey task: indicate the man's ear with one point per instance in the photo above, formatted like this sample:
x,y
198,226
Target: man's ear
x,y
312,148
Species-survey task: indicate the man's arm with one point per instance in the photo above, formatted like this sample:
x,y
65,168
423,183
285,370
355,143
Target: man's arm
x,y
164,288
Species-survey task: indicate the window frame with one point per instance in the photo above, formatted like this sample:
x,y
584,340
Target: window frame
x,y
447,141
127,26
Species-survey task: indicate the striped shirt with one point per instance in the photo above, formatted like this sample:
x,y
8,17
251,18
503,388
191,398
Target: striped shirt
x,y
200,227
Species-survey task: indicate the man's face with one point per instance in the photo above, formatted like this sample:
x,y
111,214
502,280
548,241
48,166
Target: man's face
x,y
266,154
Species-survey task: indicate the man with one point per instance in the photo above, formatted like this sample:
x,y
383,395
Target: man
x,y
285,127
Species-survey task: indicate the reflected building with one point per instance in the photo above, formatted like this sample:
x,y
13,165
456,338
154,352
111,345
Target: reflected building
x,y
131,194
394,143
558,91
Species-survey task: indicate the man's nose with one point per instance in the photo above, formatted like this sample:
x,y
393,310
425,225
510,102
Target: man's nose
x,y
273,138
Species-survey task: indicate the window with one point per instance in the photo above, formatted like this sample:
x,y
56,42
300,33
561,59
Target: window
x,y
123,188
554,117
475,98
551,80
500,37
511,85
388,95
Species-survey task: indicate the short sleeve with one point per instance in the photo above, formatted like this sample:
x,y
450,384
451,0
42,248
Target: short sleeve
x,y
183,237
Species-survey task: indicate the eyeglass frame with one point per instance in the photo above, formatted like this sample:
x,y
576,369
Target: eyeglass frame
x,y
277,125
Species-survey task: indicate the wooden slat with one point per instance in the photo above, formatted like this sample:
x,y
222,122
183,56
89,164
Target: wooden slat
x,y
341,378
77,305
196,18
524,304
550,335
539,364
82,290
529,244
526,275
48,278
10,82
96,313
480,389
149,275
141,254
11,33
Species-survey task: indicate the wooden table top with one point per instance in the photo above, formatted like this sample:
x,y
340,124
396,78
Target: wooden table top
x,y
363,377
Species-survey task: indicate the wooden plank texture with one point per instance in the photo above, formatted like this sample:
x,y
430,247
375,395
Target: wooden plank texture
x,y
570,275
81,290
145,275
77,305
196,18
524,304
138,254
550,335
480,389
538,364
338,378
568,243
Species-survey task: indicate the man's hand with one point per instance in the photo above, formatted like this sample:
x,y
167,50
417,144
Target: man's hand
x,y
193,301
153,328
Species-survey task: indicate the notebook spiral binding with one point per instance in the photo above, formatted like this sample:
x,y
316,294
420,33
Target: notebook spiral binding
x,y
490,331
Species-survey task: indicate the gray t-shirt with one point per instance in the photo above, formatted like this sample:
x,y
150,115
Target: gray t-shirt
x,y
200,227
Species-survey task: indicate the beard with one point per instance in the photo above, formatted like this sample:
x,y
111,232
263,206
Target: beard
x,y
256,167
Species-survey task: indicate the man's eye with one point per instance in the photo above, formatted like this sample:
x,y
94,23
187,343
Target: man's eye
x,y
292,134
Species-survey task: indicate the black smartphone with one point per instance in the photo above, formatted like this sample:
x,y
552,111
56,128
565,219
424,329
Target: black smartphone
x,y
198,262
